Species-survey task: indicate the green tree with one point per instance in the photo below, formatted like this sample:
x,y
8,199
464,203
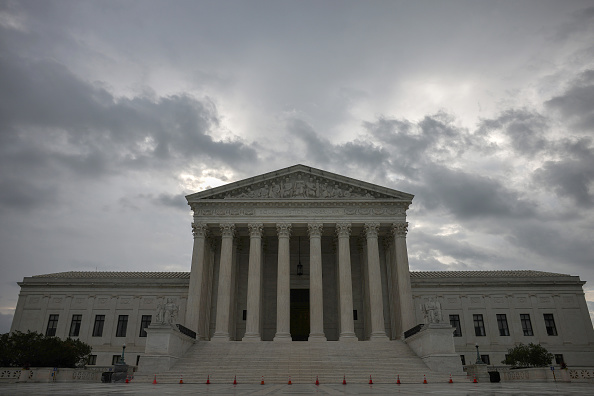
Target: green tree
x,y
531,355
33,349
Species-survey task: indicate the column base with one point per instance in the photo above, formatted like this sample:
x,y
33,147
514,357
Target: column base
x,y
283,337
217,337
317,337
348,337
380,336
252,337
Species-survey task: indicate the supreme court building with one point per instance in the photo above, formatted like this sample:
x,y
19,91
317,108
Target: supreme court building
x,y
302,254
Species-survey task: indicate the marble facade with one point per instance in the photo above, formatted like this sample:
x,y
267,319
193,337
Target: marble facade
x,y
304,254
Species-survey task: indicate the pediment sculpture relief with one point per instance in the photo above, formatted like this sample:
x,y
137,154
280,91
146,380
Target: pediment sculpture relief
x,y
301,186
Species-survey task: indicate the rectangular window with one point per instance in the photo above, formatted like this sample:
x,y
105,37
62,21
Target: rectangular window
x,y
144,323
502,324
92,360
75,325
455,323
526,324
479,325
137,359
559,358
463,360
52,325
244,315
355,314
115,359
550,324
122,326
98,326
485,359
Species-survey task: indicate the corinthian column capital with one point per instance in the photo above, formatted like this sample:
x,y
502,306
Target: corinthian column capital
x,y
199,230
283,230
343,230
227,229
256,229
371,230
400,229
315,229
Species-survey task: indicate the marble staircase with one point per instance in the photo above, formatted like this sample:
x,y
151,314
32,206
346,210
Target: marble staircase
x,y
303,361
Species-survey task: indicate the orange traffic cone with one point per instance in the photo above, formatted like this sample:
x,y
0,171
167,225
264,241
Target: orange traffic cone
x,y
208,380
234,380
370,381
262,382
127,381
344,379
317,382
289,381
155,380
424,379
181,379
475,381
451,382
398,380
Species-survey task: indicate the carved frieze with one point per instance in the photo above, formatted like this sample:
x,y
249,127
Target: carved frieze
x,y
278,209
300,185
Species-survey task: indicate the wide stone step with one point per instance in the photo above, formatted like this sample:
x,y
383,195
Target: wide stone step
x,y
302,361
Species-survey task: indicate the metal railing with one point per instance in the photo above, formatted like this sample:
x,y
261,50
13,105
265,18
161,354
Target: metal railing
x,y
413,331
184,330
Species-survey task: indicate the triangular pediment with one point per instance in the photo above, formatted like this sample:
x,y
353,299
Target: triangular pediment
x,y
300,182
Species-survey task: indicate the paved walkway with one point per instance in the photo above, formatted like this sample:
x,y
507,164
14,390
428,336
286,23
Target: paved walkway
x,y
483,389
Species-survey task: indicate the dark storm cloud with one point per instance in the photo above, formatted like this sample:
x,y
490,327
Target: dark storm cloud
x,y
172,201
53,124
572,176
576,104
469,195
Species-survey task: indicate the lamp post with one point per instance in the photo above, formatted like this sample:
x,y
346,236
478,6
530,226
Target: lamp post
x,y
123,350
478,356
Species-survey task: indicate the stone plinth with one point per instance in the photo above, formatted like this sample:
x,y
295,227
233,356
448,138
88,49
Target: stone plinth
x,y
481,371
435,345
120,372
165,345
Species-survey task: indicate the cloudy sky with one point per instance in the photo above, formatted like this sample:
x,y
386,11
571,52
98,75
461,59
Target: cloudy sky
x,y
112,111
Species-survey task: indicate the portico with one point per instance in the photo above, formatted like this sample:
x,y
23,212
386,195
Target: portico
x,y
249,237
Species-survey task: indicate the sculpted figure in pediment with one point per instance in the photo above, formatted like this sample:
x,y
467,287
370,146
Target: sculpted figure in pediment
x,y
275,191
299,190
287,189
312,190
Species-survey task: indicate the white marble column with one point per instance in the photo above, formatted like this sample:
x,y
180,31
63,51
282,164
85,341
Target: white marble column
x,y
200,231
407,309
316,298
225,276
378,331
283,284
254,291
345,286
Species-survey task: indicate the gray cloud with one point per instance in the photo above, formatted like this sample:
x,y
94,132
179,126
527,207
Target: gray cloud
x,y
5,322
576,104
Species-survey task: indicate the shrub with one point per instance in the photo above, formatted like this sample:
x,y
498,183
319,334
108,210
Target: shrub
x,y
531,355
33,349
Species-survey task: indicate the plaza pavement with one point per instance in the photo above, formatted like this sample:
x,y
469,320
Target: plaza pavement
x,y
483,389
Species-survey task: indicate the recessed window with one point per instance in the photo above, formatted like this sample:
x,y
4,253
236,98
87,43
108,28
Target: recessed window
x,y
479,325
485,359
502,325
137,359
144,323
52,325
463,360
244,315
115,359
98,326
559,358
526,324
550,324
92,360
354,314
122,326
455,323
75,325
